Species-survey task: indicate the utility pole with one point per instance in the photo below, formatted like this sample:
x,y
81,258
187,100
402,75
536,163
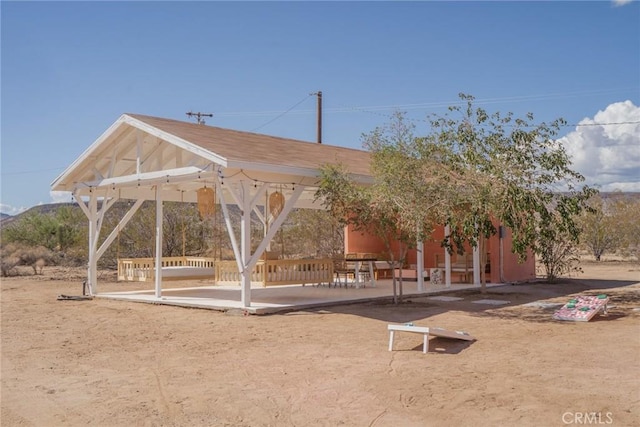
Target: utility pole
x,y
319,95
199,116
319,117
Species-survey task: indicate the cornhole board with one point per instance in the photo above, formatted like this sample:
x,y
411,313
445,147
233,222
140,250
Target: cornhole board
x,y
582,308
437,332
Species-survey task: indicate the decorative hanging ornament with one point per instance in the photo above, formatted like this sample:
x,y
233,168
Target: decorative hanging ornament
x,y
276,203
206,202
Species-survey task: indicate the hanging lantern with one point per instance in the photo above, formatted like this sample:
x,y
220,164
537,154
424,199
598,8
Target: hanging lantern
x,y
276,203
206,202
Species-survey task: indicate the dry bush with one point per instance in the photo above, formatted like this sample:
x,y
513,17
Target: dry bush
x,y
8,265
13,255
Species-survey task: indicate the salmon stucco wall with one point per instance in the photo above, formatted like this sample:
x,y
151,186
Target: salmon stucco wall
x,y
360,242
511,270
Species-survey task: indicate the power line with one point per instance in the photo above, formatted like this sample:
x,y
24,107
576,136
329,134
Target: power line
x,y
434,104
283,113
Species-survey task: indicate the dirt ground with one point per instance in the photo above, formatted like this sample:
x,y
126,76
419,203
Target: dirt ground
x,y
114,363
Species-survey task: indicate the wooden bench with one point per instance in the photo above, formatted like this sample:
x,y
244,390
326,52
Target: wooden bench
x,y
438,332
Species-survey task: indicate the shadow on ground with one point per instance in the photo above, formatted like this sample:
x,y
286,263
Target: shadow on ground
x,y
535,302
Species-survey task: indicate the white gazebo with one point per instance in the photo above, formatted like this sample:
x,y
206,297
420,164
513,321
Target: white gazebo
x,y
148,158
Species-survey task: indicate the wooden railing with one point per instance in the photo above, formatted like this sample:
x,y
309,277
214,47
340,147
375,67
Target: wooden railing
x,y
143,269
265,273
278,272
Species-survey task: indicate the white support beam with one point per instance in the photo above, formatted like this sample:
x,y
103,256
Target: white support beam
x,y
233,191
82,205
245,244
139,137
273,229
447,259
151,178
476,266
123,222
159,221
167,195
177,156
114,159
107,203
172,139
227,221
254,202
159,157
420,265
92,270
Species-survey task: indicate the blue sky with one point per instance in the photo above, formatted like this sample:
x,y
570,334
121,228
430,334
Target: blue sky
x,y
70,69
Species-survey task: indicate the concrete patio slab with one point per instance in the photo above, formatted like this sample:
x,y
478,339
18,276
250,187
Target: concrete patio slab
x,y
491,301
445,298
276,299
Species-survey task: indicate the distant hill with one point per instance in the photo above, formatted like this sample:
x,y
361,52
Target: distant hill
x,y
49,208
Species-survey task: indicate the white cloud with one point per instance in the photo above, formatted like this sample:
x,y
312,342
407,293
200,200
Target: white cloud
x,y
11,210
56,197
60,196
621,2
608,155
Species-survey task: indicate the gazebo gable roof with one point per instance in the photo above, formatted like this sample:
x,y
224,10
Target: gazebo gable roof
x,y
138,146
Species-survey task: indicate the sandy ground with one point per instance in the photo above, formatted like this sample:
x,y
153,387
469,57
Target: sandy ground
x,y
113,363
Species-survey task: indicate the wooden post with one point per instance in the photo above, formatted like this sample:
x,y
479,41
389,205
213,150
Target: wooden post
x,y
158,241
447,260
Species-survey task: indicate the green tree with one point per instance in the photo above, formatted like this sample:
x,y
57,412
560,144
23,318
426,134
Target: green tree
x,y
70,223
352,205
557,245
509,170
314,233
600,229
405,199
628,214
33,229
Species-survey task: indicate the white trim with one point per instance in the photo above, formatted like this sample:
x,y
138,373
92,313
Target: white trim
x,y
245,244
185,145
447,259
106,134
290,170
420,265
227,221
159,218
476,265
123,222
189,173
275,226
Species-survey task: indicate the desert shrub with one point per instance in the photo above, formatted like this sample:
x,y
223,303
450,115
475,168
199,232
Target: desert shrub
x,y
9,259
558,257
8,265
36,257
13,255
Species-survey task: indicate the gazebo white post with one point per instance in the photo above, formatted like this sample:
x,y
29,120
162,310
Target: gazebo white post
x,y
420,265
245,244
447,260
476,265
159,241
92,273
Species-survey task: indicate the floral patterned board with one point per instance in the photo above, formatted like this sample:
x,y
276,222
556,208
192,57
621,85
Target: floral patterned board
x,y
582,308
